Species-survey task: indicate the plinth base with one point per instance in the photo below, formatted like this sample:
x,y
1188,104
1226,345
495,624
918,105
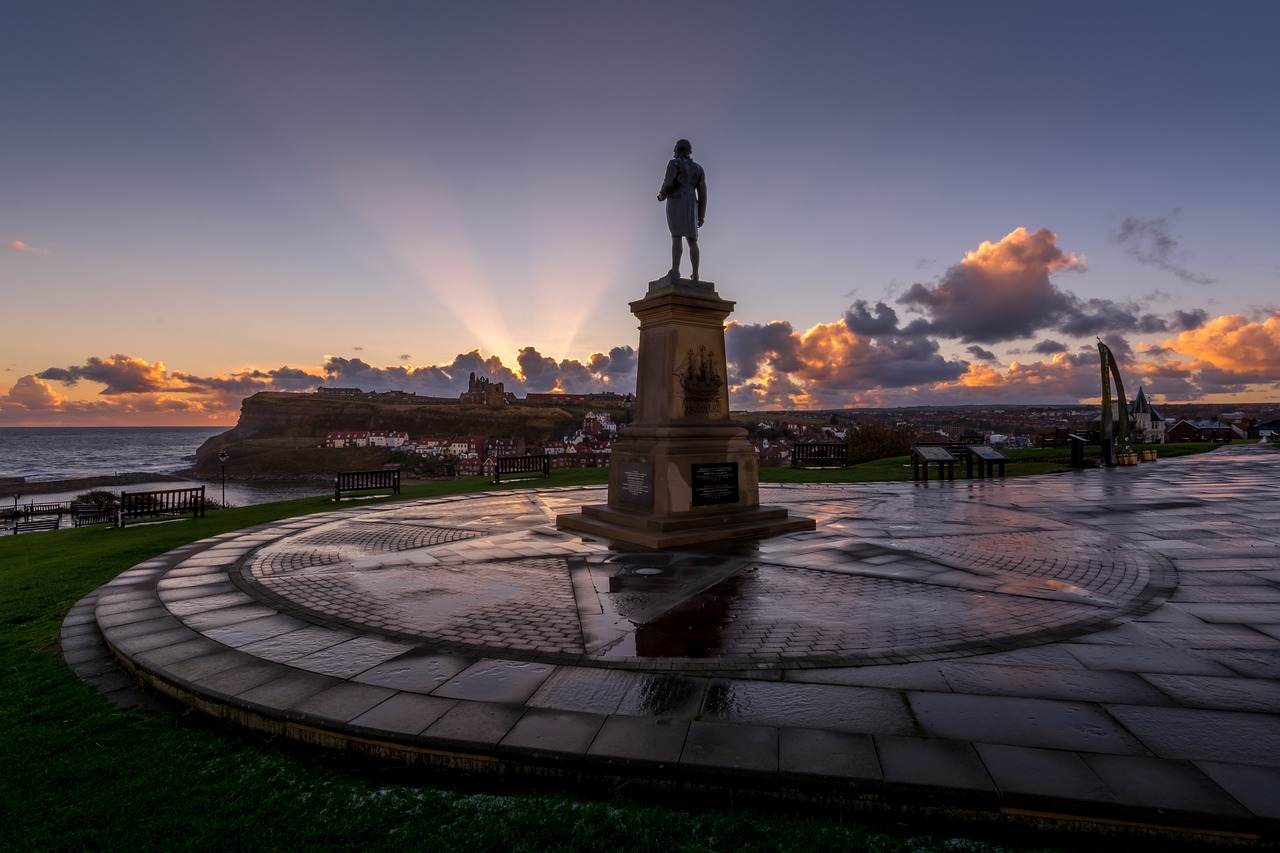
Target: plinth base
x,y
682,531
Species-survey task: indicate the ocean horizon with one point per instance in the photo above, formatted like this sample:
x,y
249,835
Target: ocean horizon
x,y
50,454
64,453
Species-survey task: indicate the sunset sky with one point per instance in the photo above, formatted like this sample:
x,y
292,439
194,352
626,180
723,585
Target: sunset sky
x,y
910,202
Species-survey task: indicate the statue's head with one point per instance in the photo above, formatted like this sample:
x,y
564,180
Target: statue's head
x,y
683,148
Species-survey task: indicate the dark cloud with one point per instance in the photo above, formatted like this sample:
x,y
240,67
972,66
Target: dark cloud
x,y
540,372
1049,348
120,374
1149,241
829,364
620,363
751,348
1001,292
980,353
1188,320
861,322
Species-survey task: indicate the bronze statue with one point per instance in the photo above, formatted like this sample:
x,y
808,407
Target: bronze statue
x,y
685,191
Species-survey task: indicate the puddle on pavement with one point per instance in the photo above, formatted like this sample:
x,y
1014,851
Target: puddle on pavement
x,y
666,604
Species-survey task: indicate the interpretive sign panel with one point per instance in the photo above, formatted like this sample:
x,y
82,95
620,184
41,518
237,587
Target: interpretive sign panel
x,y
933,454
635,484
988,454
714,483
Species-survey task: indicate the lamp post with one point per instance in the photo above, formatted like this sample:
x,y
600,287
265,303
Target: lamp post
x,y
222,457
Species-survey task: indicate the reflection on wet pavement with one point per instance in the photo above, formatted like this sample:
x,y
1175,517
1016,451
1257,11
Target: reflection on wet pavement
x,y
886,577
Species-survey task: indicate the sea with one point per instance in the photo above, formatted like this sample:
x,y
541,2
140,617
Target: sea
x,y
62,453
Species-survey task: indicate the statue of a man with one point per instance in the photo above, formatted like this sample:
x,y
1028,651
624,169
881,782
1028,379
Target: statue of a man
x,y
685,191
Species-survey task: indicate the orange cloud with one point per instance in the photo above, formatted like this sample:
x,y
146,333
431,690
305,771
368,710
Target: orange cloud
x,y
32,394
33,402
19,246
1233,342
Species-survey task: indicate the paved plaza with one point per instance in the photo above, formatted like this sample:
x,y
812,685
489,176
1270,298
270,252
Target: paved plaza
x,y
1087,650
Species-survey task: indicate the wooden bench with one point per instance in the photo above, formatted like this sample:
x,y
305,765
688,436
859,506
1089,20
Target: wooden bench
x,y
134,505
986,457
34,524
824,455
521,465
28,510
924,455
364,481
86,514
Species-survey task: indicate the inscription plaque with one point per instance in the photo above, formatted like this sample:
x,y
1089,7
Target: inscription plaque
x,y
714,483
635,484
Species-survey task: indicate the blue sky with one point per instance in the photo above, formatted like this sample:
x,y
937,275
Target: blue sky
x,y
939,202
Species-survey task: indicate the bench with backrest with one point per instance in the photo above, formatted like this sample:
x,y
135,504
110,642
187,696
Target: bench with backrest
x,y
58,508
521,465
364,481
821,455
165,502
85,514
35,524
925,455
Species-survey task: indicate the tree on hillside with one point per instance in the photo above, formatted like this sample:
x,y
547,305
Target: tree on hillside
x,y
877,440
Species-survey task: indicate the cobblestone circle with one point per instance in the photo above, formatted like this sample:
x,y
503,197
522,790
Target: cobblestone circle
x,y
877,583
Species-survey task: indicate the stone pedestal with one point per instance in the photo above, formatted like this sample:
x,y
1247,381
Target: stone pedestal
x,y
682,474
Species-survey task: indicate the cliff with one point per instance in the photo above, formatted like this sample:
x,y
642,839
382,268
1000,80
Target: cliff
x,y
279,434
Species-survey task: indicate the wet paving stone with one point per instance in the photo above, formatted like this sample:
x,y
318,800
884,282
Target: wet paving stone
x,y
1059,641
724,746
496,681
1163,785
1203,735
651,741
834,755
472,725
416,672
1049,773
933,764
402,715
1022,722
542,731
851,709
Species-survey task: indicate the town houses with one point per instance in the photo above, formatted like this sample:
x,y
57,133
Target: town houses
x,y
590,443
366,438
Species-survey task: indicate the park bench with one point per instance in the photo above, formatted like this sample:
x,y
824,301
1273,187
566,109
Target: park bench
x,y
57,508
987,459
924,455
521,465
364,481
134,505
86,514
823,455
34,524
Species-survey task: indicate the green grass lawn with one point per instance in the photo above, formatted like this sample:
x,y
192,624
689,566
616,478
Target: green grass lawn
x,y
79,774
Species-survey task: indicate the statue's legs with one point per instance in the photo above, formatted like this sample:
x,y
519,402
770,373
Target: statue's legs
x,y
677,252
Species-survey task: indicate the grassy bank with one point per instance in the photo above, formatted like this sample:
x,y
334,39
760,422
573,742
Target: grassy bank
x,y
80,774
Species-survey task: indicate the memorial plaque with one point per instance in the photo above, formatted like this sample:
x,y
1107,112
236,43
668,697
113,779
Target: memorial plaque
x,y
635,484
714,483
